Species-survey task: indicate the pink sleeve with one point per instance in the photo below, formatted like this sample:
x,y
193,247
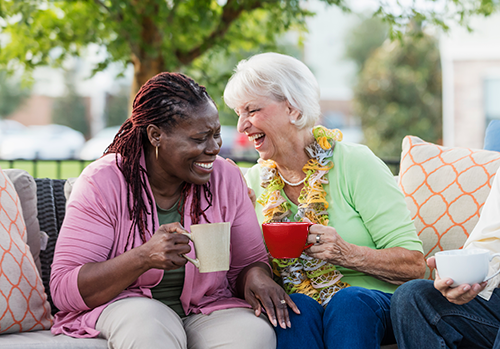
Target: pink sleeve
x,y
86,236
247,243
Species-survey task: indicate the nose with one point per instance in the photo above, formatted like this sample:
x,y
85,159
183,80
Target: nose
x,y
213,147
243,123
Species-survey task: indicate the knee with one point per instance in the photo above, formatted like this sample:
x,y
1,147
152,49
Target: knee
x,y
310,310
411,294
141,323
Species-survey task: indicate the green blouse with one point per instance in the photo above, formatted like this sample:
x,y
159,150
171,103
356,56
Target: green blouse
x,y
366,207
169,290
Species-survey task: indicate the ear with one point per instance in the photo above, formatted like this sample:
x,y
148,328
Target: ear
x,y
154,135
293,113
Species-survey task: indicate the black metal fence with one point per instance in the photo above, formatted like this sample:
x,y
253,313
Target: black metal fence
x,y
64,169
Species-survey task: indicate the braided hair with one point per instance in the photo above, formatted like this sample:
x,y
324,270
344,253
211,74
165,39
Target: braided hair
x,y
162,101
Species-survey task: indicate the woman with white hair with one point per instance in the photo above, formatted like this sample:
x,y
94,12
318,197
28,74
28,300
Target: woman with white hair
x,y
365,243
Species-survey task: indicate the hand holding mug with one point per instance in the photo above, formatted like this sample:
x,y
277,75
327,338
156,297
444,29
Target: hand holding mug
x,y
469,273
166,246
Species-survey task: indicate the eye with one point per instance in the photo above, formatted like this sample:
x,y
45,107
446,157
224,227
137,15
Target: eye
x,y
251,112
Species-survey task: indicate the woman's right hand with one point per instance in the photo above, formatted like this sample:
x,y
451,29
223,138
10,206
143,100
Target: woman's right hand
x,y
458,295
166,247
99,283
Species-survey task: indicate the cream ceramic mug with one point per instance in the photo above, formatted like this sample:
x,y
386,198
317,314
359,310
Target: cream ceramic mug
x,y
465,266
211,244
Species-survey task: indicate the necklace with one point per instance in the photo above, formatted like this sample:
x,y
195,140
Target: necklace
x,y
289,183
313,277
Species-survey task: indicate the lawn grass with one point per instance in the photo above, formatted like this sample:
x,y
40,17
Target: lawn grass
x,y
60,169
48,169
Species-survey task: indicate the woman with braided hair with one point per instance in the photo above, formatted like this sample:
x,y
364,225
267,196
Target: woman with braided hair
x,y
118,269
364,242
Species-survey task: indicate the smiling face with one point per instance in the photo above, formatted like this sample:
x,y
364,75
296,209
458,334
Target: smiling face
x,y
267,123
187,152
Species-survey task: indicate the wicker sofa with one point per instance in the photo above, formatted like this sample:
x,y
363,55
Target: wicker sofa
x,y
424,178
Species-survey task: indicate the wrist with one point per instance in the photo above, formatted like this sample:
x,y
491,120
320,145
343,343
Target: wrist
x,y
353,256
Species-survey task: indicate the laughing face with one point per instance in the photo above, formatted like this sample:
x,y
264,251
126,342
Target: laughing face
x,y
188,151
267,123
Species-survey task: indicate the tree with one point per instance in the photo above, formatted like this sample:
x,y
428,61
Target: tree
x,y
169,35
363,39
152,35
399,93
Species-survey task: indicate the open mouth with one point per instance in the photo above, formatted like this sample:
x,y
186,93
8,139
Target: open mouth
x,y
257,139
205,165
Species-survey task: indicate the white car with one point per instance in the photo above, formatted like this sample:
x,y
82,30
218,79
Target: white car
x,y
47,142
95,147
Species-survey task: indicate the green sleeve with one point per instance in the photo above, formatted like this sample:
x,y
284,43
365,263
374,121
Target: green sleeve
x,y
374,194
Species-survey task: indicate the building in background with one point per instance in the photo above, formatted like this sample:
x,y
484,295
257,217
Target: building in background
x,y
471,81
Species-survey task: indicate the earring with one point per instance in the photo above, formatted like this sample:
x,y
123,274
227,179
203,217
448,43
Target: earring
x,y
157,146
292,122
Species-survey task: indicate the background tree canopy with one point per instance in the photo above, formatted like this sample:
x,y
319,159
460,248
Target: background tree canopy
x,y
175,35
398,93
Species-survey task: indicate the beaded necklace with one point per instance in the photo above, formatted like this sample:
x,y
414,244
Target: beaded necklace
x,y
313,277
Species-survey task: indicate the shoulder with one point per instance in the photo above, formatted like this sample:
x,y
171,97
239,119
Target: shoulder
x,y
355,156
223,169
103,174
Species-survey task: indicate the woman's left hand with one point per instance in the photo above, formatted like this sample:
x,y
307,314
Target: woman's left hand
x,y
260,290
327,245
395,264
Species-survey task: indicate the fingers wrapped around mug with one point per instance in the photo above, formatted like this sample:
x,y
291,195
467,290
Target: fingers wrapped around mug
x,y
166,247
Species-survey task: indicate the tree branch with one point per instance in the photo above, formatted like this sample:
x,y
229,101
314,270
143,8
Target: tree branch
x,y
231,11
100,3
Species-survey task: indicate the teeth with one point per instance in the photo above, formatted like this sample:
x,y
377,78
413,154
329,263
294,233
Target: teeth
x,y
205,165
256,136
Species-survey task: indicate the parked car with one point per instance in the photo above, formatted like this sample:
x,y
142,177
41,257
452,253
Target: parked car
x,y
236,145
48,142
95,147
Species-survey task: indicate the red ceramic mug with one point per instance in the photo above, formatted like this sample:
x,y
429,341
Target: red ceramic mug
x,y
286,239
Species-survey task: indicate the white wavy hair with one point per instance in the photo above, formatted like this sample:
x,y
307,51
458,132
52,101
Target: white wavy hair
x,y
277,76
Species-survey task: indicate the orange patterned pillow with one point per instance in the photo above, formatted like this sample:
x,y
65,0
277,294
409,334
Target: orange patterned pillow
x,y
445,189
23,302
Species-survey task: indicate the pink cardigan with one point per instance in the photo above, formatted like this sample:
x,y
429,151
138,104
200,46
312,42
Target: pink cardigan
x,y
95,229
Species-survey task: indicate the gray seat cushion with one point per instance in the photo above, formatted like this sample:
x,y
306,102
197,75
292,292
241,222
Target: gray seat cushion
x,y
46,340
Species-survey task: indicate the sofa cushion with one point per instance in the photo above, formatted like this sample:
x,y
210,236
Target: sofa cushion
x,y
46,340
445,189
25,187
23,302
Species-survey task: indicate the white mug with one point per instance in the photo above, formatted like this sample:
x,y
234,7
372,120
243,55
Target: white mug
x,y
465,266
211,244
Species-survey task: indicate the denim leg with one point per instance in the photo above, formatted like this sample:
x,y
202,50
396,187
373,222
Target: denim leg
x,y
423,318
307,328
357,317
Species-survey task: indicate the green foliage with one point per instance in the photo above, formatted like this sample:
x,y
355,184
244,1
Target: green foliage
x,y
365,38
12,94
399,93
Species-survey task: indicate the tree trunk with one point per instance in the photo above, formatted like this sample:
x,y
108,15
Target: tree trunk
x,y
144,69
146,56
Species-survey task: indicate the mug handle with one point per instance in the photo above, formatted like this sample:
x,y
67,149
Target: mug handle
x,y
309,245
196,262
498,271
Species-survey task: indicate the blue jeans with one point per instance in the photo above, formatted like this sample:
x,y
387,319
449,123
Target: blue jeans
x,y
423,318
355,318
